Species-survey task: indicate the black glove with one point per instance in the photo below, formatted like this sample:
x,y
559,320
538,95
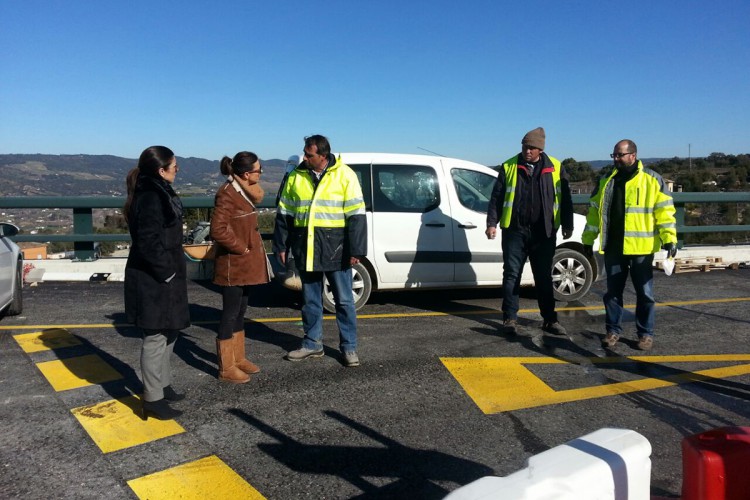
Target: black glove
x,y
671,249
588,251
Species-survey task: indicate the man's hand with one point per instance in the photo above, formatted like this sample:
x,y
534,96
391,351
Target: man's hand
x,y
491,232
567,233
671,249
281,257
353,260
588,251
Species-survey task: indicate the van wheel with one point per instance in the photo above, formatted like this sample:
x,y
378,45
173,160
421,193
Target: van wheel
x,y
572,275
16,305
361,288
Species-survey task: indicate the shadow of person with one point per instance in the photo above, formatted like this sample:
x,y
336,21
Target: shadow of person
x,y
117,378
417,472
601,364
187,345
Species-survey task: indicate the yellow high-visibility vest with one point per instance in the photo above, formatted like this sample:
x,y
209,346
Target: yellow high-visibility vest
x,y
337,197
649,213
511,177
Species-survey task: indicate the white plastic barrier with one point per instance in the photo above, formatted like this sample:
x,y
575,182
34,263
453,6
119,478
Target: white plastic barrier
x,y
606,464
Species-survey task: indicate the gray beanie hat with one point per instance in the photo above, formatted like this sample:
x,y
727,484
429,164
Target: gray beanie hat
x,y
534,138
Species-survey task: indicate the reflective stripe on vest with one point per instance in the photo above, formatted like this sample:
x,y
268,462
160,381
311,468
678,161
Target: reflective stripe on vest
x,y
337,197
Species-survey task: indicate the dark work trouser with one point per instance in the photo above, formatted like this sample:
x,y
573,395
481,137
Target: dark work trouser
x,y
519,245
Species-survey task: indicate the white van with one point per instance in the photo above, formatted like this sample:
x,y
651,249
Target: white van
x,y
426,217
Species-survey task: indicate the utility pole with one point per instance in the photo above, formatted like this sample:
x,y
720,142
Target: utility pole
x,y
690,159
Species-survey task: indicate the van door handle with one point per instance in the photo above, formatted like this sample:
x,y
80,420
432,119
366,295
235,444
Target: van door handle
x,y
435,224
467,226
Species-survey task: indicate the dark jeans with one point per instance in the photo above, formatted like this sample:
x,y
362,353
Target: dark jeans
x,y
234,305
641,272
519,245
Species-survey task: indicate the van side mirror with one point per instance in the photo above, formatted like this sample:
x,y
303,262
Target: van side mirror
x,y
8,230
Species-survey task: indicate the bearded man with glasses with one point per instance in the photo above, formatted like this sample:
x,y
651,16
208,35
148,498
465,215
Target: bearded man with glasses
x,y
632,211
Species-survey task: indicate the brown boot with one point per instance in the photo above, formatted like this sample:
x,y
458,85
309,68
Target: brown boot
x,y
243,363
228,370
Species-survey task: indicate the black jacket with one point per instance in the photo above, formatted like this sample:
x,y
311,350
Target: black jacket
x,y
155,223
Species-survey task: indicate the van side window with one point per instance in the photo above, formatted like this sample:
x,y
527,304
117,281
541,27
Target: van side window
x,y
473,188
405,188
363,174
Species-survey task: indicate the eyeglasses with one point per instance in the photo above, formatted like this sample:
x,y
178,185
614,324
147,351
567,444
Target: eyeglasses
x,y
619,155
259,171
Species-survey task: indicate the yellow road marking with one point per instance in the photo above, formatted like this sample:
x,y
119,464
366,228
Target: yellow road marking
x,y
52,338
81,371
330,317
504,384
114,425
207,478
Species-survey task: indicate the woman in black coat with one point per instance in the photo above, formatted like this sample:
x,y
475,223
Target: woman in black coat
x,y
155,274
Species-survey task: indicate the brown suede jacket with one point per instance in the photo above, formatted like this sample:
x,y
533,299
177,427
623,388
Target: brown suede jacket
x,y
240,256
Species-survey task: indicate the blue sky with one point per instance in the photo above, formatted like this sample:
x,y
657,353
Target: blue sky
x,y
465,79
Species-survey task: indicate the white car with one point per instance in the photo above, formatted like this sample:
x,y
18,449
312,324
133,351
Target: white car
x,y
426,218
11,272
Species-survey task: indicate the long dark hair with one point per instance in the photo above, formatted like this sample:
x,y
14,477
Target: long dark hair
x,y
151,160
242,162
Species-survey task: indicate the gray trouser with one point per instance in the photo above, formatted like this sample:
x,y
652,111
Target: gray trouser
x,y
156,369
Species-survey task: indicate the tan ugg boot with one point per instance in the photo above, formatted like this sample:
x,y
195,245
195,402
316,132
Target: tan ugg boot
x,y
228,370
243,363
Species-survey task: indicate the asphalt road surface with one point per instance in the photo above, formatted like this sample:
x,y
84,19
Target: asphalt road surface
x,y
442,397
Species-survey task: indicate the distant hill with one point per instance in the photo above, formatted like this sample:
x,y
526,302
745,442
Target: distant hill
x,y
104,175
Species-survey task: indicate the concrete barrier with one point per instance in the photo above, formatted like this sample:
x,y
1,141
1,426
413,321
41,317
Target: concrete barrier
x,y
606,464
104,269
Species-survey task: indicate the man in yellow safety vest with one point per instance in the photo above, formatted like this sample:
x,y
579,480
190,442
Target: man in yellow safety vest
x,y
530,200
632,211
321,219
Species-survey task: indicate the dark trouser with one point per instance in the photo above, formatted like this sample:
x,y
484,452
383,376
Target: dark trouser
x,y
641,272
518,245
234,305
156,369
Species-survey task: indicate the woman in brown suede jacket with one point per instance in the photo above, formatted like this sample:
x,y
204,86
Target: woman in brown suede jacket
x,y
240,259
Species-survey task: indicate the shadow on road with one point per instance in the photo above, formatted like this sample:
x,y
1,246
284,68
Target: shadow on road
x,y
414,473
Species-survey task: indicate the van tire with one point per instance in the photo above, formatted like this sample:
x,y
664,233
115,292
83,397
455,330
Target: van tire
x,y
361,288
572,275
16,306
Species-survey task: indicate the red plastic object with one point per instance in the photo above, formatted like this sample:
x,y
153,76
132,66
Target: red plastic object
x,y
716,465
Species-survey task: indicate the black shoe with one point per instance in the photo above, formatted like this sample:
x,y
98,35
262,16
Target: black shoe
x,y
160,410
171,395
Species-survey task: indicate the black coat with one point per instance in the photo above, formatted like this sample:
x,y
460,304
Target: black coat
x,y
155,222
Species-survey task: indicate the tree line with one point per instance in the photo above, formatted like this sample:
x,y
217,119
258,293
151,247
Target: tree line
x,y
716,172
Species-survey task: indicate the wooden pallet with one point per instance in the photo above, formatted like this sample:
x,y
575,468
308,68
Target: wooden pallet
x,y
698,264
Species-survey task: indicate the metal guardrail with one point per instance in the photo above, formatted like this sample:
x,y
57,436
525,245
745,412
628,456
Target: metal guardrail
x,y
84,237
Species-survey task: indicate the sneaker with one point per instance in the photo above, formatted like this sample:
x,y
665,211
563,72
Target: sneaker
x,y
303,353
510,326
554,327
351,359
610,339
646,342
